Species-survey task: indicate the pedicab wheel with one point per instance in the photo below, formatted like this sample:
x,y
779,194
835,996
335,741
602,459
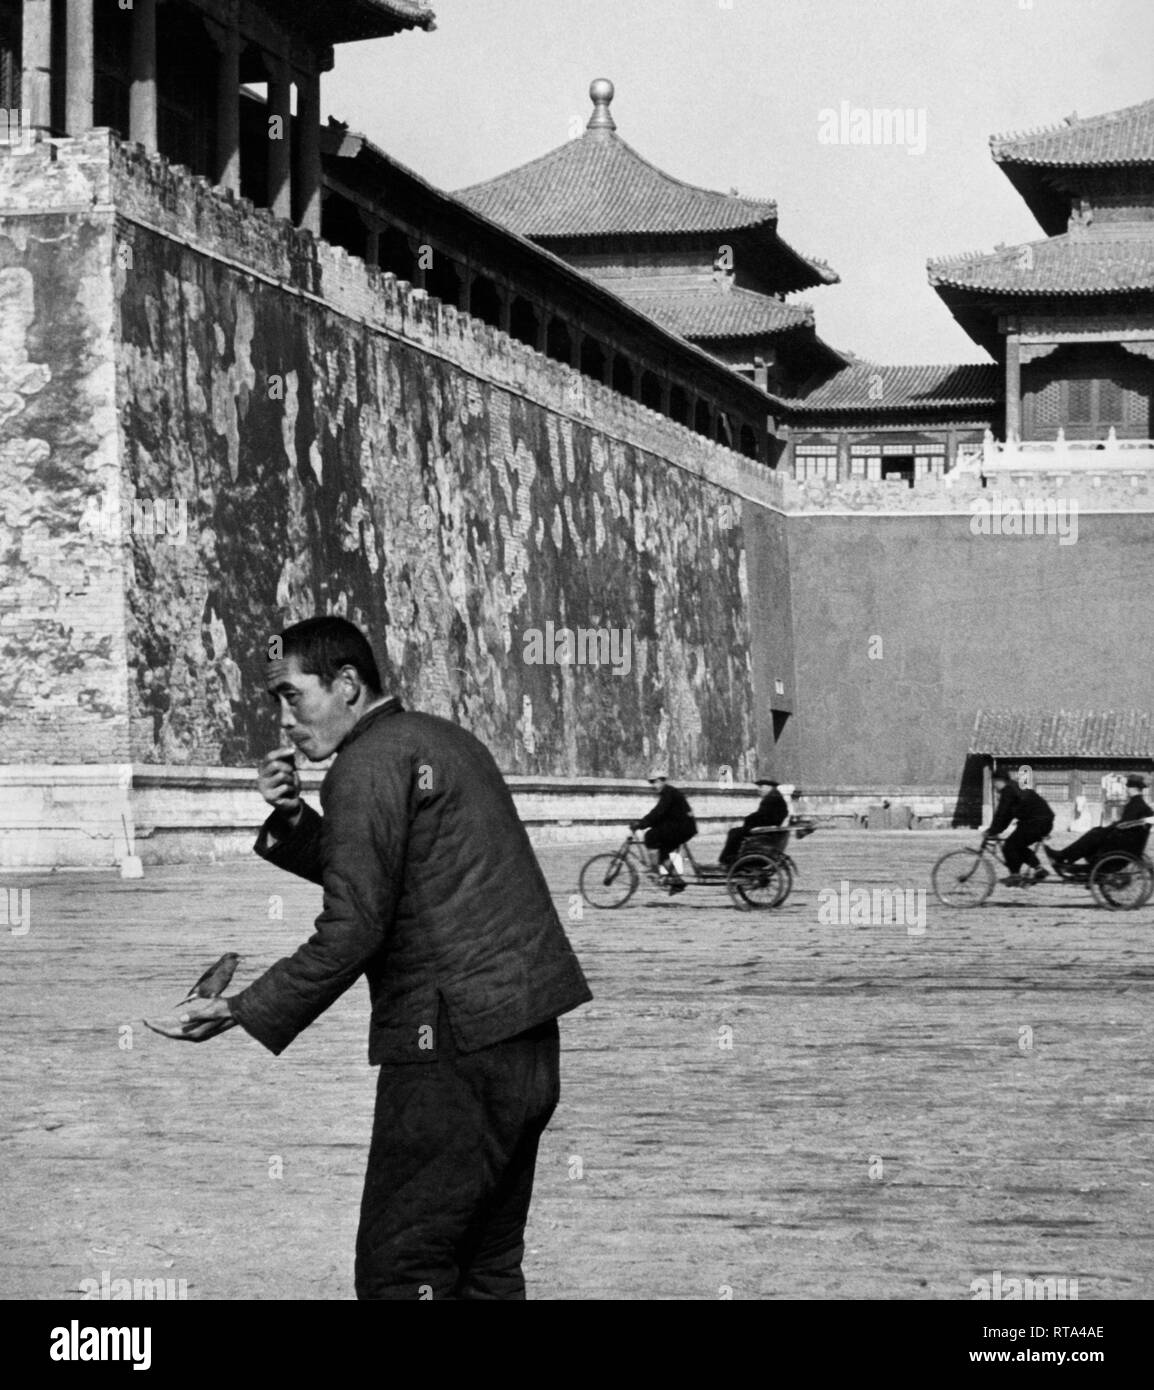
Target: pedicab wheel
x,y
757,880
963,878
1121,881
785,878
608,880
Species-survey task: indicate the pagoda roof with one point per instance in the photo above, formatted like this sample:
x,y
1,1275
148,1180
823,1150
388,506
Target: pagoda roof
x,y
1077,263
1116,138
364,164
1063,733
878,388
598,185
347,21
722,312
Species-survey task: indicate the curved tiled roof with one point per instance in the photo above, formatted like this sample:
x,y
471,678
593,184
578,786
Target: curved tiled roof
x,y
717,313
1063,734
874,387
1084,264
1118,137
599,185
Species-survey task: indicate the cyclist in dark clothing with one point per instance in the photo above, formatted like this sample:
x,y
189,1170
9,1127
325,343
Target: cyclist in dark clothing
x,y
1132,840
669,825
1035,820
772,811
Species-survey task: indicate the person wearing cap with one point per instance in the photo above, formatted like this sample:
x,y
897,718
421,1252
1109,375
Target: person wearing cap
x,y
1035,820
772,811
669,825
1132,840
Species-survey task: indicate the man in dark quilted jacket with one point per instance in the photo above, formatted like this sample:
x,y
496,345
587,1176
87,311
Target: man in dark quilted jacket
x,y
432,891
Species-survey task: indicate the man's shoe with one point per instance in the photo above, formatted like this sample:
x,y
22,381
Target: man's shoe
x,y
678,887
1040,874
1014,881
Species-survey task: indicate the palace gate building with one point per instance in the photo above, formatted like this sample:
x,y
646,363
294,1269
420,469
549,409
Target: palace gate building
x,y
253,368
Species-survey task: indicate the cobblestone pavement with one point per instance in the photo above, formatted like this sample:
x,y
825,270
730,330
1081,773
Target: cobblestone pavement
x,y
767,1105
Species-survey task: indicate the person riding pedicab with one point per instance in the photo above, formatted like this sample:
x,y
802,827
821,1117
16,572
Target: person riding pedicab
x,y
772,813
1131,840
669,825
1035,820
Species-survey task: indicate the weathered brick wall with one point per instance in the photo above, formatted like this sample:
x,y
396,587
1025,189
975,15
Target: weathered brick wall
x,y
337,442
62,645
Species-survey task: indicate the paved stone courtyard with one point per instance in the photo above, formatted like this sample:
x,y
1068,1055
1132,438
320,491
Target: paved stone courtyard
x,y
756,1105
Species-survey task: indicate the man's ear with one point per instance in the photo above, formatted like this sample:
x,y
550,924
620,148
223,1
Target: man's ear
x,y
353,686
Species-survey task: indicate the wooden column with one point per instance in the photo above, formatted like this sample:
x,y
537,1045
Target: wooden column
x,y
542,329
280,150
373,243
36,48
227,40
142,100
504,309
308,173
1013,386
79,67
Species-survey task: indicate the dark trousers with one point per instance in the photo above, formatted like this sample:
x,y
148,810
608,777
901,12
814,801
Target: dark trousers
x,y
1016,847
1101,838
450,1171
732,844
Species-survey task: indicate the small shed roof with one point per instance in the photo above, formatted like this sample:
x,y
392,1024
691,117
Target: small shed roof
x,y
1063,734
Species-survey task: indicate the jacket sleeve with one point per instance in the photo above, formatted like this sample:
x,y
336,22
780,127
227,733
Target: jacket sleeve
x,y
363,837
299,850
1007,810
659,812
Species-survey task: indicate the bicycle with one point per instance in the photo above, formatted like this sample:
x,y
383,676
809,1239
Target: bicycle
x,y
1117,879
761,876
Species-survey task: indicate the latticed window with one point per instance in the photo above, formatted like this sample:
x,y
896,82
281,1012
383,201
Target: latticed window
x,y
1080,395
1110,402
1048,404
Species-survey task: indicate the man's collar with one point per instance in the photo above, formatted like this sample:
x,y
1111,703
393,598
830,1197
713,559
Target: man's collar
x,y
390,706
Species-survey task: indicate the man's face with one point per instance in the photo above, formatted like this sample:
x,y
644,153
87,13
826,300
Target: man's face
x,y
311,717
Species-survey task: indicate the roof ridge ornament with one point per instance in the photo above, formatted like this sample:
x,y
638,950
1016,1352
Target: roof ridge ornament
x,y
601,93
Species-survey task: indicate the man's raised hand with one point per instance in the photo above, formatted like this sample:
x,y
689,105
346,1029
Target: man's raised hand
x,y
279,782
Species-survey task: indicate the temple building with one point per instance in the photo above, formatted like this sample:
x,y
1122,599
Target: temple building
x,y
710,266
1070,318
168,75
899,424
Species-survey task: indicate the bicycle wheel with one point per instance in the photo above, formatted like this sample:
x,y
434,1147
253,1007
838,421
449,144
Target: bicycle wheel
x,y
963,878
757,880
608,880
1121,881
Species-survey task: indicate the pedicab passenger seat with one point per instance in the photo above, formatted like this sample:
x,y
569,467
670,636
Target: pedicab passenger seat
x,y
1138,847
765,837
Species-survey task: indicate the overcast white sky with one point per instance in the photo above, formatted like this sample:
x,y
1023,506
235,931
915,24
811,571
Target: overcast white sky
x,y
727,94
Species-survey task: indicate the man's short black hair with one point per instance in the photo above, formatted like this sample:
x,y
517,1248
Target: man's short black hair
x,y
323,646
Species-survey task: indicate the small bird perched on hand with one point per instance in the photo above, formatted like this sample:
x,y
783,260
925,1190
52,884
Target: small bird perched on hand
x,y
215,980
